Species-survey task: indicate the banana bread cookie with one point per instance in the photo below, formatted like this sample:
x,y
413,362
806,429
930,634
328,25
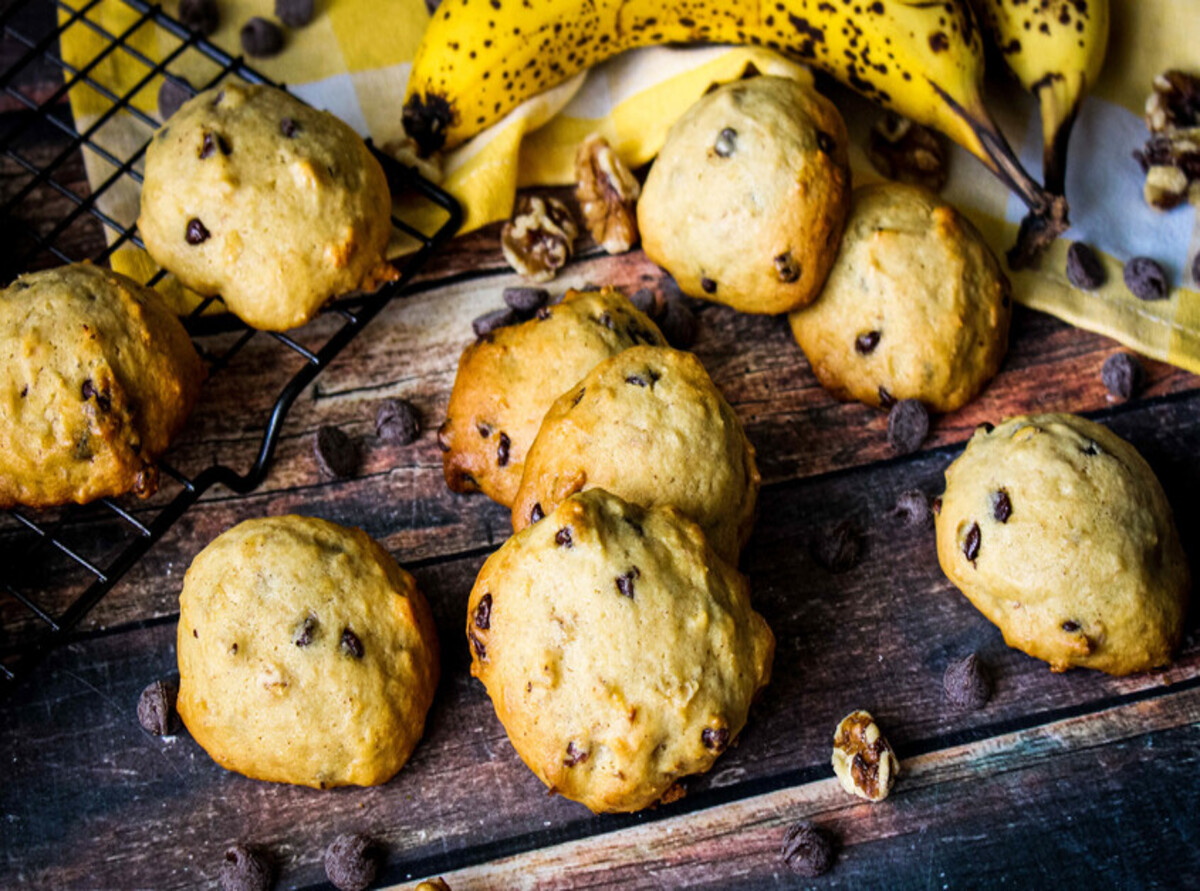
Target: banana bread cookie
x,y
746,201
508,379
306,654
647,425
1058,531
620,652
96,376
915,307
253,195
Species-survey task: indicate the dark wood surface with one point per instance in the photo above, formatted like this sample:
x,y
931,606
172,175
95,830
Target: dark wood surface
x,y
1074,780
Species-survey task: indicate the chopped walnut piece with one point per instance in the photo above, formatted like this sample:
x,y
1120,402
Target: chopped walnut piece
x,y
608,194
538,240
862,759
903,150
1171,157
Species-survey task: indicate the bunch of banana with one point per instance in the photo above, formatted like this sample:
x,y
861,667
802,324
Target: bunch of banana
x,y
481,58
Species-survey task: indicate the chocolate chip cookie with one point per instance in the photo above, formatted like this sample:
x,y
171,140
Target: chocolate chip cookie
x,y
96,377
649,426
620,652
306,654
253,195
1058,531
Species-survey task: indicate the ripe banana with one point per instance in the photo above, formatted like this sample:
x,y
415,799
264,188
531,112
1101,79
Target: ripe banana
x,y
1056,50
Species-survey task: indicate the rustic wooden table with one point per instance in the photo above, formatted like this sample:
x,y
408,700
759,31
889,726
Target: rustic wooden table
x,y
1062,780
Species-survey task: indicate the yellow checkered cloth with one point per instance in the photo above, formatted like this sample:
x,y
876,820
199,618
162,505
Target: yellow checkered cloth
x,y
354,59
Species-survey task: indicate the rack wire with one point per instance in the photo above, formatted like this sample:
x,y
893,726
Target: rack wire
x,y
44,222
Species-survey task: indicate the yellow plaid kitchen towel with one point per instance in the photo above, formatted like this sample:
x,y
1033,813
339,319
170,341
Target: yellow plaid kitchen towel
x,y
354,59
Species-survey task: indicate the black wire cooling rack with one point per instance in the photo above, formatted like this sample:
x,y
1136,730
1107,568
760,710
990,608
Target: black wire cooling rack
x,y
44,222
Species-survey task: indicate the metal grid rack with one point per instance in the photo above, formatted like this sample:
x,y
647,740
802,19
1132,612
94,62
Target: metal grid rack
x,y
31,32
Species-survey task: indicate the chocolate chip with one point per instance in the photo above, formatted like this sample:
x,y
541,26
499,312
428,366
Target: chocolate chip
x,y
970,545
1070,626
502,450
607,321
908,425
678,324
715,739
988,426
807,850
726,143
865,343
493,321
1084,269
211,143
578,397
526,301
294,13
156,709
536,514
483,613
352,862
1001,506
171,95
397,421
1145,279
484,430
199,16
825,142
196,233
443,435
337,454
575,755
478,645
305,633
912,507
838,548
261,38
289,128
708,285
787,270
245,869
886,399
645,300
351,645
103,400
1122,375
966,683
625,582
648,378
563,539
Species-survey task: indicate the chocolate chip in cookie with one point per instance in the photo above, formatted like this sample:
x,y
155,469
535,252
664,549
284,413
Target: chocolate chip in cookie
x,y
196,232
1001,506
483,613
971,543
625,582
866,342
726,142
787,268
351,645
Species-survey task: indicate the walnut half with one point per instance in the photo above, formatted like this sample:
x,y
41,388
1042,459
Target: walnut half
x,y
608,194
862,759
539,239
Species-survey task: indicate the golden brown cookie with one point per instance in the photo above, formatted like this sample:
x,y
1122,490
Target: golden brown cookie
x,y
306,654
619,650
746,201
253,195
915,307
1058,531
96,377
508,379
650,426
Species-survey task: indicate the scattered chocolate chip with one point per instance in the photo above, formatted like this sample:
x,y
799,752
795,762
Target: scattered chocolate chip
x,y
726,143
1122,375
352,862
708,285
526,301
443,435
970,545
1070,627
502,450
171,95
536,514
294,13
483,613
966,683
1001,506
838,548
807,850
351,645
245,869
625,582
1084,269
199,16
156,709
715,739
337,454
825,142
678,324
787,270
886,399
493,321
908,425
912,507
575,755
196,233
563,539
397,420
1145,279
261,38
289,128
305,633
865,343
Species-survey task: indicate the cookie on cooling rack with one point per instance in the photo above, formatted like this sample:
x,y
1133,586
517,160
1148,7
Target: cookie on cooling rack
x,y
650,426
96,376
620,652
306,654
508,378
253,195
